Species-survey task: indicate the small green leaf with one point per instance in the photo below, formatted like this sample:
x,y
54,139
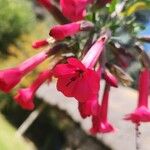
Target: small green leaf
x,y
112,5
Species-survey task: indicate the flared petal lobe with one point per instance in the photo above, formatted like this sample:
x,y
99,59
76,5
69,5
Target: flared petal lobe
x,y
9,78
142,112
25,98
88,108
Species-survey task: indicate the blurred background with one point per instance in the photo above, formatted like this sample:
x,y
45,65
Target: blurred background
x,y
48,127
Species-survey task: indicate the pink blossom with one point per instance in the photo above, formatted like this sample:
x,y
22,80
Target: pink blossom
x,y
39,43
9,78
94,52
100,121
74,81
45,3
110,79
74,10
142,112
78,79
25,96
59,32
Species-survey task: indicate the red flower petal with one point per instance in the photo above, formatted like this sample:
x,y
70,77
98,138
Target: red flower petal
x,y
63,69
76,63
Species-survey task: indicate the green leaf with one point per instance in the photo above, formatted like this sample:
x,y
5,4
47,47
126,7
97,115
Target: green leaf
x,y
112,5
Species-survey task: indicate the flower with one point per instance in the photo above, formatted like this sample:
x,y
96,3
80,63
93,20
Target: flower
x,y
59,32
9,78
74,80
25,96
94,52
45,3
74,10
142,112
88,108
100,122
110,79
78,79
40,43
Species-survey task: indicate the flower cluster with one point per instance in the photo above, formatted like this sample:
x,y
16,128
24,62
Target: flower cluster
x,y
79,76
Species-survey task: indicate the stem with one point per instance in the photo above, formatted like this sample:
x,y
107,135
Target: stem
x,y
137,136
30,119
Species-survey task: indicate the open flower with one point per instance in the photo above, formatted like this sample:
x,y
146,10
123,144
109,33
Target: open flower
x,y
9,78
78,79
25,96
74,80
142,112
100,121
74,10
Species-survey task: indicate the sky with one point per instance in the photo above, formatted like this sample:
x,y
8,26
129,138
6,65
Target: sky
x,y
146,32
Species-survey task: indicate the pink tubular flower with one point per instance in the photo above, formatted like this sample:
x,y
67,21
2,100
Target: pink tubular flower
x,y
39,43
88,108
25,96
78,79
45,3
9,78
100,122
142,112
59,32
74,10
110,79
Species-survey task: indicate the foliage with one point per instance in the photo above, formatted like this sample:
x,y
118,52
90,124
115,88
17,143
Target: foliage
x,y
16,18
